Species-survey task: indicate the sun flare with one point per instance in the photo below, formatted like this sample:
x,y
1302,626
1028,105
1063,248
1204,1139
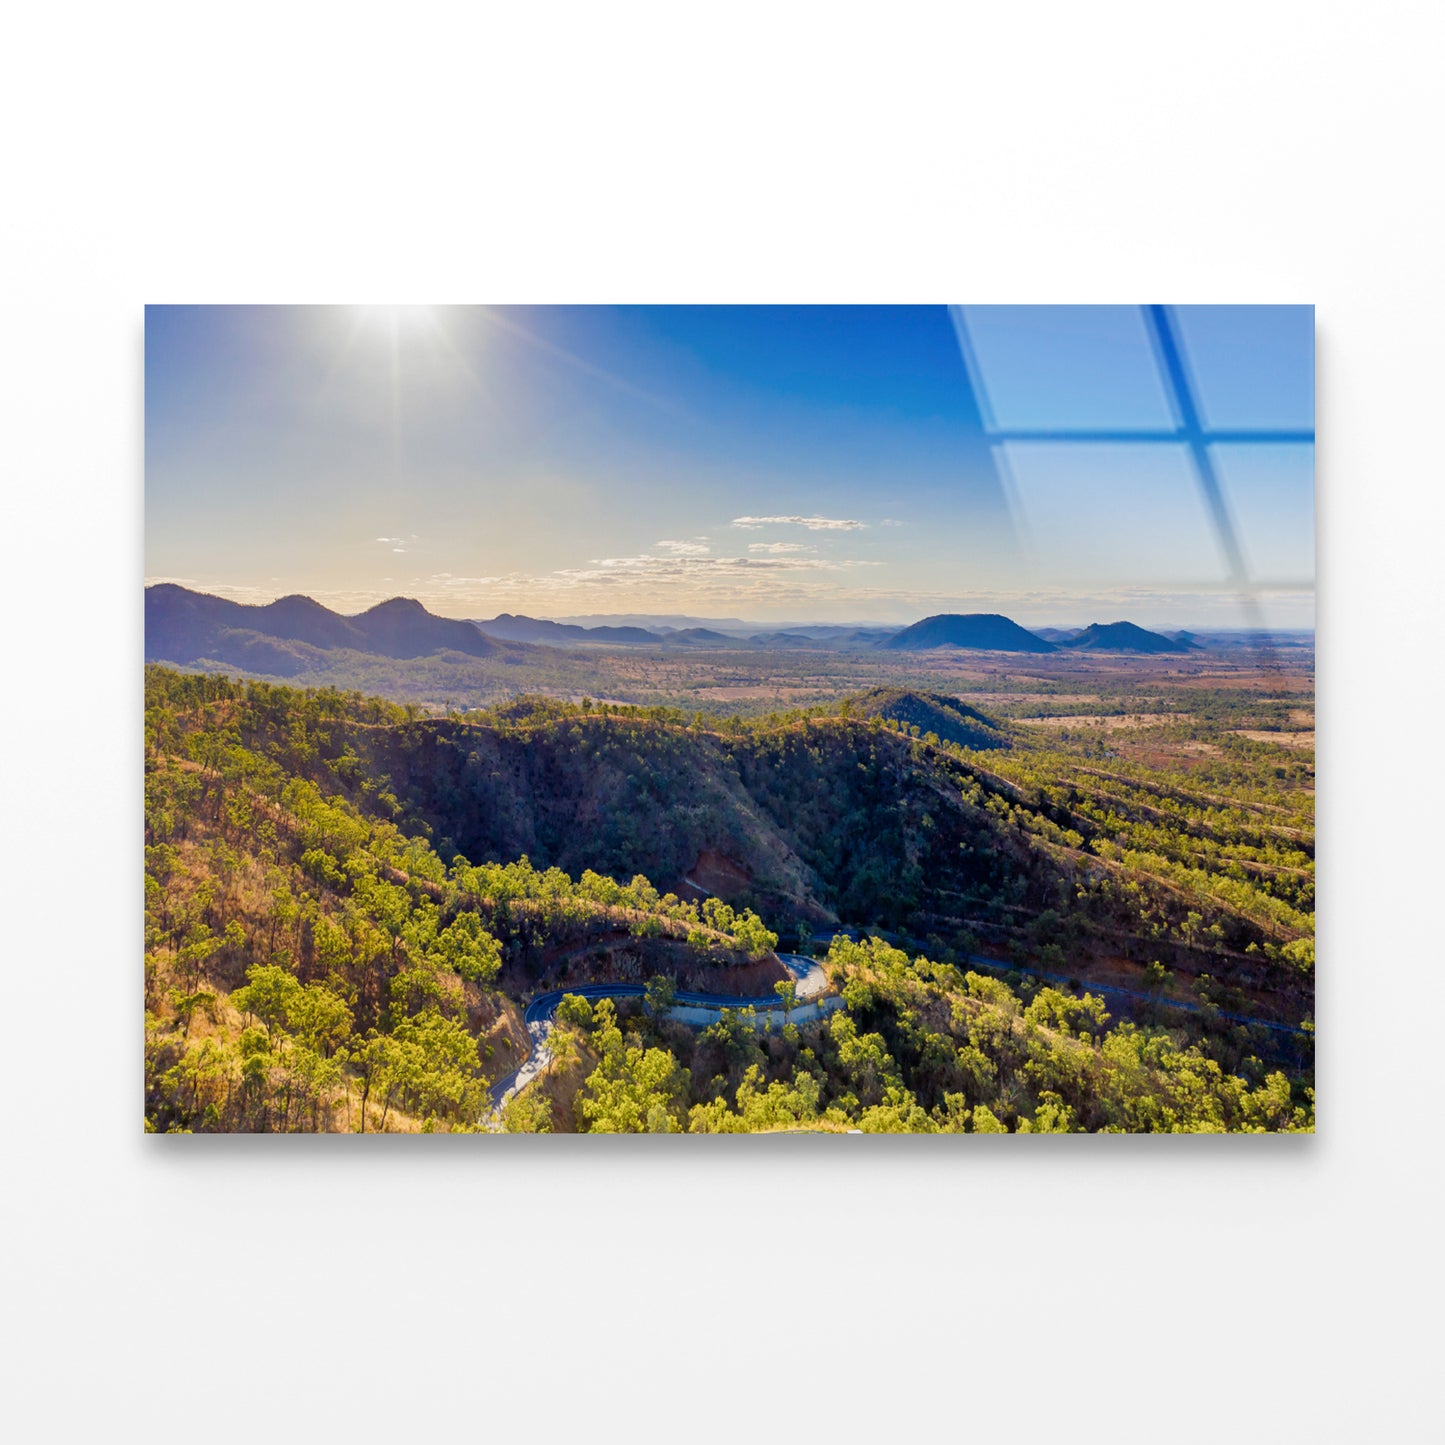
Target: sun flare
x,y
395,320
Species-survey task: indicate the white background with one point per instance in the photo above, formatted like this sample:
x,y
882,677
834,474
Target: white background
x,y
1098,1289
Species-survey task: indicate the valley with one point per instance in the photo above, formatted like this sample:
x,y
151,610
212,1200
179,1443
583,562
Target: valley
x,y
1067,889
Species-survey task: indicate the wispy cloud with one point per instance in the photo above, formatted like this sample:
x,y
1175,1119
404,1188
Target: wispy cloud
x,y
649,575
778,549
697,547
688,566
813,524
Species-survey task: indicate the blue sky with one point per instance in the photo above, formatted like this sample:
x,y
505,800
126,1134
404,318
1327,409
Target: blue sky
x,y
830,463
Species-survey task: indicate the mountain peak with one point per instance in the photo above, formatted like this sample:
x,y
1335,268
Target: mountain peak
x,y
979,631
1123,637
285,636
399,606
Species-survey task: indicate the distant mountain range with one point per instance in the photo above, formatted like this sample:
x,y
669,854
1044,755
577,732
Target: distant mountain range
x,y
1126,637
659,622
989,632
293,634
979,631
514,628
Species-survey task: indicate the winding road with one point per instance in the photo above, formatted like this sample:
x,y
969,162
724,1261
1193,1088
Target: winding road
x,y
812,983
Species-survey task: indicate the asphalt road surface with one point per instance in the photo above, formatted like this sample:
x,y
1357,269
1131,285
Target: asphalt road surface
x,y
806,972
811,981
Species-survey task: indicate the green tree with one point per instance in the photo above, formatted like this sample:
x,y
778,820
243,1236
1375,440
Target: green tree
x,y
527,1112
574,1011
985,1121
661,994
787,990
632,1090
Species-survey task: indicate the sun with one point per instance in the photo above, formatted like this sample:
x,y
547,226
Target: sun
x,y
396,321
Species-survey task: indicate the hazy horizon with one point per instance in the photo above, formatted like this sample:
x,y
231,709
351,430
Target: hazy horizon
x,y
260,598
770,463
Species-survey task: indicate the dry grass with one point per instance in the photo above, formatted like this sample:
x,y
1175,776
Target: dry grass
x,y
1304,740
1116,722
1050,697
758,692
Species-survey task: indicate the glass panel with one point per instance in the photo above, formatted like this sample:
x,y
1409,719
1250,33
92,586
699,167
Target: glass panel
x,y
1271,493
1106,513
1252,367
1040,368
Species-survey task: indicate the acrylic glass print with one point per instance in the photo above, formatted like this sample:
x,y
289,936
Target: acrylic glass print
x,y
729,719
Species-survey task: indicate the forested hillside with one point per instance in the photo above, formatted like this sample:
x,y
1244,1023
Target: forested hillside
x,y
347,903
310,964
920,1047
835,819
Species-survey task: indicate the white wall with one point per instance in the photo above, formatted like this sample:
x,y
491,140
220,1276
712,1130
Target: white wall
x,y
1088,1289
